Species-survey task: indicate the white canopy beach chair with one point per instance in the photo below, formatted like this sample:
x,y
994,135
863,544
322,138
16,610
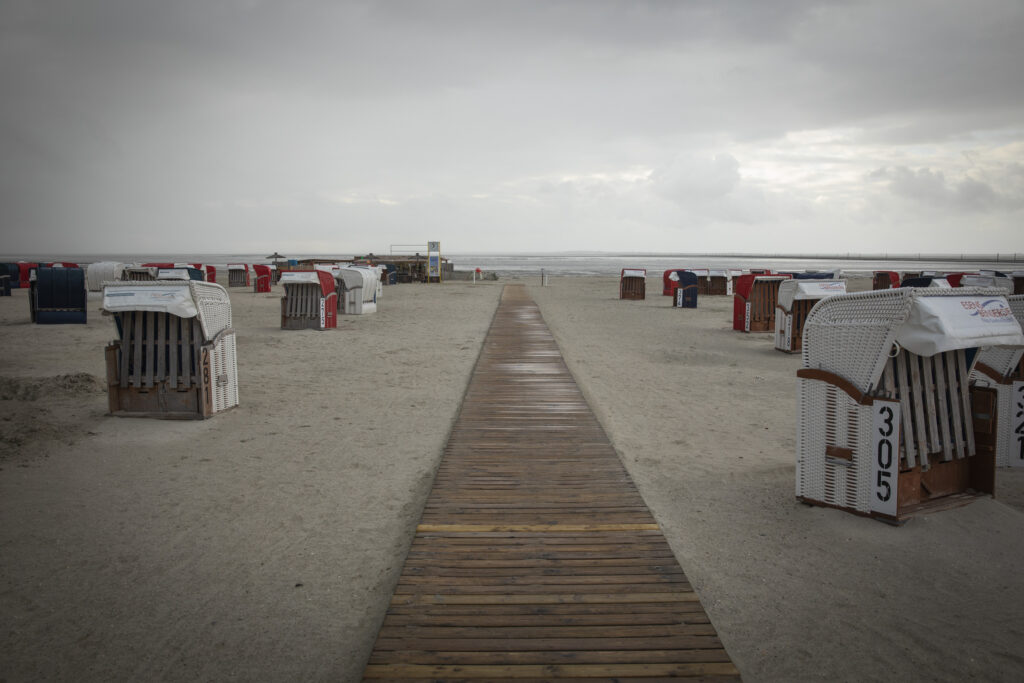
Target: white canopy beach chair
x,y
886,419
175,352
1002,369
309,300
357,290
102,271
796,299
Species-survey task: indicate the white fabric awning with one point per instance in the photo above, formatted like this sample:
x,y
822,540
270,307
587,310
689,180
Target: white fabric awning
x,y
299,276
798,290
634,272
938,324
175,299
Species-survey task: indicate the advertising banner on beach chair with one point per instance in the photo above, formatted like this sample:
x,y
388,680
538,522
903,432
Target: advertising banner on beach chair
x,y
889,422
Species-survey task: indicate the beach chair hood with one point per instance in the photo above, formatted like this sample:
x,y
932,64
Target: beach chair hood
x,y
799,290
183,298
853,335
320,277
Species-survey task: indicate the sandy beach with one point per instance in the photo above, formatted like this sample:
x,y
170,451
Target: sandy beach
x,y
264,543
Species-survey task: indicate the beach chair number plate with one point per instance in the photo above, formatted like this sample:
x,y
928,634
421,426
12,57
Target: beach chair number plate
x,y
1017,416
885,430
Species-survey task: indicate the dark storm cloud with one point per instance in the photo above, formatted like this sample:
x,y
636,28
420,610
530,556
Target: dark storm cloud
x,y
229,120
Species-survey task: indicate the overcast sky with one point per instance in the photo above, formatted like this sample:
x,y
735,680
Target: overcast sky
x,y
327,126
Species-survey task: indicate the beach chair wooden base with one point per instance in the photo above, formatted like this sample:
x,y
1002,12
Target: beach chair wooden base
x,y
192,401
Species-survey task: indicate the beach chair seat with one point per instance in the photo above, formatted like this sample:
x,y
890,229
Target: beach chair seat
x,y
175,355
888,421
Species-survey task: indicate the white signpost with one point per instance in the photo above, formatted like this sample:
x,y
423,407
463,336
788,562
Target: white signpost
x,y
885,450
433,261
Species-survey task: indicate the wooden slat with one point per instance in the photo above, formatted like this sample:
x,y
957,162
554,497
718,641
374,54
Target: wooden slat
x,y
965,399
149,343
125,348
173,337
161,347
535,556
957,425
917,399
942,405
903,388
186,353
137,349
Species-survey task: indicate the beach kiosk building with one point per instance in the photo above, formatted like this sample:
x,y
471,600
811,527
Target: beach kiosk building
x,y
175,352
309,301
1002,369
796,299
753,308
633,284
888,422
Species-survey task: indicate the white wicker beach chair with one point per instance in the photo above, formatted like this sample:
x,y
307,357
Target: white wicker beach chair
x,y
796,299
175,356
885,421
1002,369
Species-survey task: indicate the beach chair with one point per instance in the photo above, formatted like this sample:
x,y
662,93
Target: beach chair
x,y
685,286
103,271
885,279
633,284
888,423
25,271
263,279
140,273
13,273
1018,279
932,281
357,290
796,299
57,296
309,301
1002,369
994,280
753,308
175,352
5,284
180,274
720,282
238,275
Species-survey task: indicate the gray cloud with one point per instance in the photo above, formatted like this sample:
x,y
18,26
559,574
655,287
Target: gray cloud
x,y
223,123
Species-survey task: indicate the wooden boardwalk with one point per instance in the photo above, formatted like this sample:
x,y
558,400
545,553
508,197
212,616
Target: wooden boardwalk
x,y
536,558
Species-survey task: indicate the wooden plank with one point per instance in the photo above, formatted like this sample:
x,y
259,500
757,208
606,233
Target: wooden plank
x,y
917,399
174,332
535,549
186,353
125,347
557,670
965,399
137,349
160,372
957,425
903,388
942,405
149,345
